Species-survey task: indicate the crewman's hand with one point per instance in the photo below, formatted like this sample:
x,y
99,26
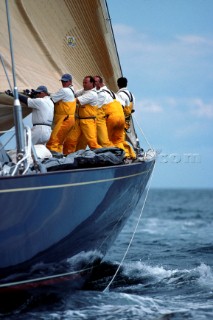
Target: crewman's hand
x,y
27,92
30,93
9,93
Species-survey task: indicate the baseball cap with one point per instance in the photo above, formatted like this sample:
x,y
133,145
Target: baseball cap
x,y
41,89
66,77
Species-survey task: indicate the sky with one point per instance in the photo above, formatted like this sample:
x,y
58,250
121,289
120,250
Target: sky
x,y
166,53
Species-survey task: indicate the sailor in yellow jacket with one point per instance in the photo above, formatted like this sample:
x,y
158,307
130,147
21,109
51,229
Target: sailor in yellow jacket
x,y
115,120
86,114
64,115
127,100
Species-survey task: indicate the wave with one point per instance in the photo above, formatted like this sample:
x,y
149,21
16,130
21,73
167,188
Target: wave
x,y
139,290
137,277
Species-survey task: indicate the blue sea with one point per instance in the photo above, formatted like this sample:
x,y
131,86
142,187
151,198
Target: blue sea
x,y
162,270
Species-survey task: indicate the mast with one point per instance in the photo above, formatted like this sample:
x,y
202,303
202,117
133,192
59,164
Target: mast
x,y
17,110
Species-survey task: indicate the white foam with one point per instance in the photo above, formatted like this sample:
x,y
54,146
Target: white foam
x,y
206,275
138,269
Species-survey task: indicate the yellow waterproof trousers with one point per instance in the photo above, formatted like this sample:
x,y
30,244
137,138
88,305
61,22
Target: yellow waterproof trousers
x,y
63,125
115,122
85,127
130,153
115,125
127,113
64,120
102,132
72,138
82,143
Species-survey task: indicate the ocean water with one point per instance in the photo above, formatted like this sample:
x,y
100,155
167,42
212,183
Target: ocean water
x,y
166,273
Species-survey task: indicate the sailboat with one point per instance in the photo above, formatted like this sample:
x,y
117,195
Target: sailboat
x,y
59,221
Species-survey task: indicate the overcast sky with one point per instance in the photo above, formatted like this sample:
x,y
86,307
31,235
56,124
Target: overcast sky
x,y
166,52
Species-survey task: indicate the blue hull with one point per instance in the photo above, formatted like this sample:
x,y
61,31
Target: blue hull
x,y
48,218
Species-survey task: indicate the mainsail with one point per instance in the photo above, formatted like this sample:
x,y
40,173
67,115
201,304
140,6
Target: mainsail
x,y
52,37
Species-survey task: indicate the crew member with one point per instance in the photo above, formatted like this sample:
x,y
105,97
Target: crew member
x,y
127,99
64,116
128,102
115,120
85,125
42,114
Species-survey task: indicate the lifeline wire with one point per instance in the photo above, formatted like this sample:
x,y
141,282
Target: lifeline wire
x,y
7,140
139,218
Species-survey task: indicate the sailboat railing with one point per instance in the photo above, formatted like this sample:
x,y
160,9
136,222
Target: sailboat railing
x,y
30,158
27,157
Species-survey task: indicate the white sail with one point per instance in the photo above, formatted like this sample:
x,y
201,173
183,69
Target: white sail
x,y
52,37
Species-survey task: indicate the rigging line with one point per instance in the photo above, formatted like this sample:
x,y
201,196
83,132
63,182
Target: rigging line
x,y
4,145
133,234
6,131
142,132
